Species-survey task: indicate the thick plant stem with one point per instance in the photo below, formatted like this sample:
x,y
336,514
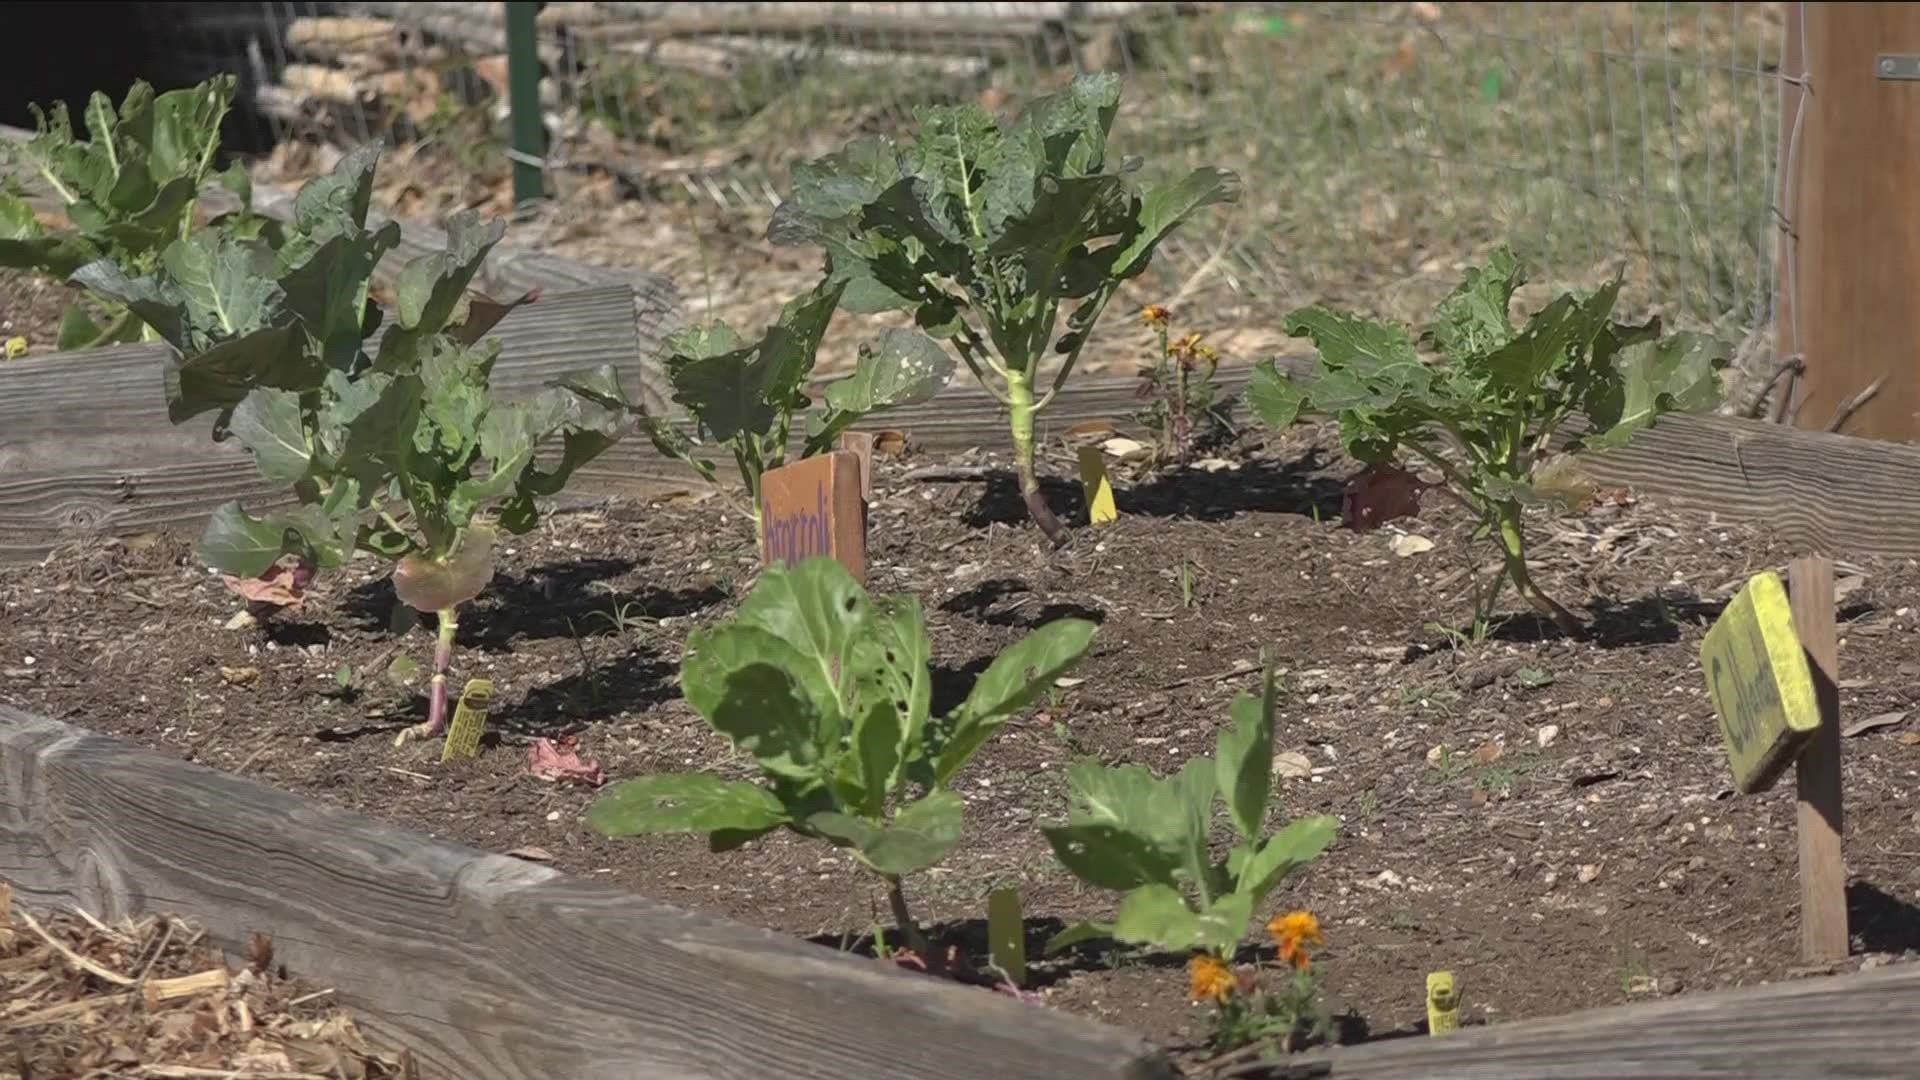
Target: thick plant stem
x,y
903,919
1020,401
1514,546
437,693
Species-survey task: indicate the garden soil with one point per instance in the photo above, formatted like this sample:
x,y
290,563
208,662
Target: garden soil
x,y
1550,819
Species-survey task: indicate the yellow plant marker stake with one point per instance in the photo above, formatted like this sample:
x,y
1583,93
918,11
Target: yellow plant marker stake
x,y
1443,1004
1760,683
469,720
1093,477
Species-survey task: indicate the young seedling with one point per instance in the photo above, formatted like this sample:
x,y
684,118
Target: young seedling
x,y
1498,396
128,191
746,395
1183,406
983,232
1148,837
829,691
394,445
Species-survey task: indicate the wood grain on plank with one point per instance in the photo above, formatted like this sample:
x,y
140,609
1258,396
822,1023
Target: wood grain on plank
x,y
1828,494
1855,1025
489,967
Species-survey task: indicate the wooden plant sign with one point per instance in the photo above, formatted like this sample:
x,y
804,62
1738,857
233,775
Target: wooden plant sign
x,y
1761,684
1771,663
812,508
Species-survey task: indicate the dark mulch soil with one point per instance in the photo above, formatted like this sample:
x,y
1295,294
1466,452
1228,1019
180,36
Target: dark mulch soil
x,y
1551,819
30,307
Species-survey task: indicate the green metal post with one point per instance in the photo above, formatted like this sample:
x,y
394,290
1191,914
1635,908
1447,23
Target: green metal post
x,y
523,96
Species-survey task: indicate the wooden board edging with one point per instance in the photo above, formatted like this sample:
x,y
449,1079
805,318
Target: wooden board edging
x,y
96,457
490,967
1853,1025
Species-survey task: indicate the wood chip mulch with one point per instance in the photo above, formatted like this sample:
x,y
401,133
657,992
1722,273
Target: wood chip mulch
x,y
81,999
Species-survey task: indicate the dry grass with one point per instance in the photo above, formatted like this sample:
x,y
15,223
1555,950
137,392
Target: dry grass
x,y
80,998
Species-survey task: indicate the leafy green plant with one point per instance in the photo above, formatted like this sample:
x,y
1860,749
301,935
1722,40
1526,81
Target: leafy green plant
x,y
1498,396
1147,837
746,395
828,690
128,191
393,444
984,231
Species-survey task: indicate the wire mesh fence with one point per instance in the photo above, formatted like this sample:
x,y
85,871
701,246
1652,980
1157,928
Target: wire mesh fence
x,y
1383,146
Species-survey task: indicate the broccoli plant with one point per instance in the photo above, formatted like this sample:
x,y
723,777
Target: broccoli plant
x,y
984,231
128,191
1148,837
1498,396
394,444
828,690
745,396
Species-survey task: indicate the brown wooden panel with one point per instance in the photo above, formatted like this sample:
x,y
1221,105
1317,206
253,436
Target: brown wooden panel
x,y
1855,1025
1856,220
492,968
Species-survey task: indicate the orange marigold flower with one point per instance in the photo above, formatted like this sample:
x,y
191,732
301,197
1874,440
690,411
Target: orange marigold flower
x,y
1155,315
1186,348
1209,978
1296,932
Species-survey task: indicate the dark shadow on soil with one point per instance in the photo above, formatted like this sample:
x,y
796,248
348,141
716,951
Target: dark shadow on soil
x,y
949,686
1650,620
1296,487
1882,923
555,600
980,603
970,937
636,679
289,634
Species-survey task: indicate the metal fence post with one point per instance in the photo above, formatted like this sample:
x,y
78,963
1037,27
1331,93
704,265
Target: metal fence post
x,y
523,97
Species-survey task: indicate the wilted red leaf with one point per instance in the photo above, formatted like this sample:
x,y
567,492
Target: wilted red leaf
x,y
1379,495
549,760
284,585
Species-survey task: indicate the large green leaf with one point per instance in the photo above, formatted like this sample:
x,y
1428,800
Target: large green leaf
x,y
238,543
1244,758
227,288
1282,854
820,611
1273,397
1164,208
746,390
1159,916
918,836
1110,856
1680,374
221,377
760,692
269,423
1017,677
1473,319
684,802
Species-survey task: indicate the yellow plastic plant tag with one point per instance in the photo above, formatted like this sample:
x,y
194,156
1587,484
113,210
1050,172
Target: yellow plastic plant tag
x,y
1093,477
1443,1003
469,720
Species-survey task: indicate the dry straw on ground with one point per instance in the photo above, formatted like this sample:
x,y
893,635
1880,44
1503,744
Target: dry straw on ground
x,y
80,999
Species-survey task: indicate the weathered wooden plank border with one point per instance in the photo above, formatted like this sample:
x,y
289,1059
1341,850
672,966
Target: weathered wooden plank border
x,y
1854,1025
489,967
95,456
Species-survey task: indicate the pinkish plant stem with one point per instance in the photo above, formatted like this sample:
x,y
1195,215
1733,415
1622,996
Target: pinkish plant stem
x,y
437,694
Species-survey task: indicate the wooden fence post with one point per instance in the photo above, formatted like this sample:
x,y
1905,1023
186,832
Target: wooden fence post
x,y
1823,870
1855,219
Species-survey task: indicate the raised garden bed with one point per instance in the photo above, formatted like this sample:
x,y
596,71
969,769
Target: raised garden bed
x,y
1550,819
